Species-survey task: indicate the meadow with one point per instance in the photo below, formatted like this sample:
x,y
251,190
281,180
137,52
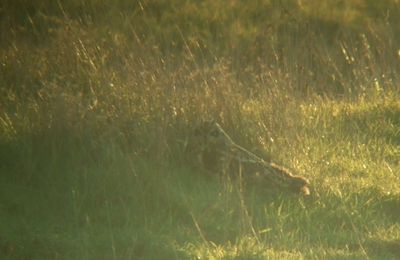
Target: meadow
x,y
98,97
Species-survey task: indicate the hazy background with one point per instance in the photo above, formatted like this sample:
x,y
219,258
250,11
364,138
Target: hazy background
x,y
97,98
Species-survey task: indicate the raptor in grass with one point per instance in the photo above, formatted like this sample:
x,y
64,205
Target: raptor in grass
x,y
215,150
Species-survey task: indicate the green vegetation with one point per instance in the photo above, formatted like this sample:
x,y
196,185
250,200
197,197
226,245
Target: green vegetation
x,y
97,98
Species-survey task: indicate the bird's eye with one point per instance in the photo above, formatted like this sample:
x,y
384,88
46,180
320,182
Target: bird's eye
x,y
214,133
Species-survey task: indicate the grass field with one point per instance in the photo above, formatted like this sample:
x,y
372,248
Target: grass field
x,y
97,98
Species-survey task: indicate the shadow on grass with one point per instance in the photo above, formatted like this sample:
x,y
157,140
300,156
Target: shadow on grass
x,y
382,120
383,248
141,209
390,206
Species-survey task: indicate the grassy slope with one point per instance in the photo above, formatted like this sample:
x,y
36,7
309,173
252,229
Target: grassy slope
x,y
96,99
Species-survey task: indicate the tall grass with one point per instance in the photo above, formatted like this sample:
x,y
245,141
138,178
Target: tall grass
x,y
97,99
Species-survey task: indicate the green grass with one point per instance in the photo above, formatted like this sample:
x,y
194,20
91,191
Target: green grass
x,y
97,99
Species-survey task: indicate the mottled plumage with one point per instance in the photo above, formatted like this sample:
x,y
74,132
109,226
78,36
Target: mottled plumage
x,y
217,152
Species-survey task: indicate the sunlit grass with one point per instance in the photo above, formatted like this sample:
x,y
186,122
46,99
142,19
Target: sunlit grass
x,y
97,99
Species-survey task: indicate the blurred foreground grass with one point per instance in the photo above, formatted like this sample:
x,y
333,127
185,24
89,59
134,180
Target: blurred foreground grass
x,y
97,98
